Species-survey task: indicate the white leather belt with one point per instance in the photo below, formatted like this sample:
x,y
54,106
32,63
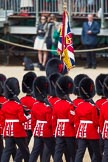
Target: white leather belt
x,y
86,121
41,121
62,120
12,120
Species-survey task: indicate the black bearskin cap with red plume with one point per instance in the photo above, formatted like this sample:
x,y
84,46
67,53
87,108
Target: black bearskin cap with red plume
x,y
54,65
99,83
64,86
77,80
87,88
41,88
27,82
53,78
11,88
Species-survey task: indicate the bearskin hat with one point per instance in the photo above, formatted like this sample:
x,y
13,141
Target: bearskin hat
x,y
27,82
105,87
99,84
86,88
11,88
64,86
2,80
77,80
54,65
41,88
53,78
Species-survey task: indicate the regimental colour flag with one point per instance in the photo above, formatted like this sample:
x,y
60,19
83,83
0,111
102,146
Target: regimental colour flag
x,y
65,44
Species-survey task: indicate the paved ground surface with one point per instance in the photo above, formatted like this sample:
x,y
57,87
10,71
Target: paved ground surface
x,y
18,71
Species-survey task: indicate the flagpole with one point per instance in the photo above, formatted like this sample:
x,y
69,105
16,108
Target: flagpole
x,y
65,44
63,26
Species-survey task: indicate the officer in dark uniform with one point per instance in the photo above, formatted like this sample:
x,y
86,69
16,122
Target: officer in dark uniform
x,y
89,39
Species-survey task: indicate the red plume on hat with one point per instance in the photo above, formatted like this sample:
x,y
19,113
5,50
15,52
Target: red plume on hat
x,y
77,80
41,88
54,65
64,86
27,82
11,88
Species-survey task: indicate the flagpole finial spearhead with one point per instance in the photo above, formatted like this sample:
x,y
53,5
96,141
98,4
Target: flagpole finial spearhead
x,y
65,6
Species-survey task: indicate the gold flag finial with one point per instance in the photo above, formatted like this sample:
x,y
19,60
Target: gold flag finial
x,y
65,5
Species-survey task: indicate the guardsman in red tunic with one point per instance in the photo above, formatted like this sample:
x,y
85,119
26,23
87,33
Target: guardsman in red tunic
x,y
63,119
52,98
99,90
79,100
2,100
27,101
87,122
12,119
104,121
53,78
77,80
41,119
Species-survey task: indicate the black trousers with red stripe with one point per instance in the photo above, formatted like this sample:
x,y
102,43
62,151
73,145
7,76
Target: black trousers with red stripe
x,y
39,143
10,144
62,144
18,157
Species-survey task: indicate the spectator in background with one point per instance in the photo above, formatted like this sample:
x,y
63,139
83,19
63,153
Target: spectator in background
x,y
56,34
90,5
60,6
89,39
25,6
80,6
40,44
52,34
26,3
51,5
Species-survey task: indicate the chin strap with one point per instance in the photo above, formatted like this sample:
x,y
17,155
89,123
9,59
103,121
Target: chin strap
x,y
28,88
85,92
44,97
106,86
66,97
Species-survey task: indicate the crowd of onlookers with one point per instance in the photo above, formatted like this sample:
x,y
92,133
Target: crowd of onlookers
x,y
55,6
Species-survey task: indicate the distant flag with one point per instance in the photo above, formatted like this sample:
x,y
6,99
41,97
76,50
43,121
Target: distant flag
x,y
65,44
